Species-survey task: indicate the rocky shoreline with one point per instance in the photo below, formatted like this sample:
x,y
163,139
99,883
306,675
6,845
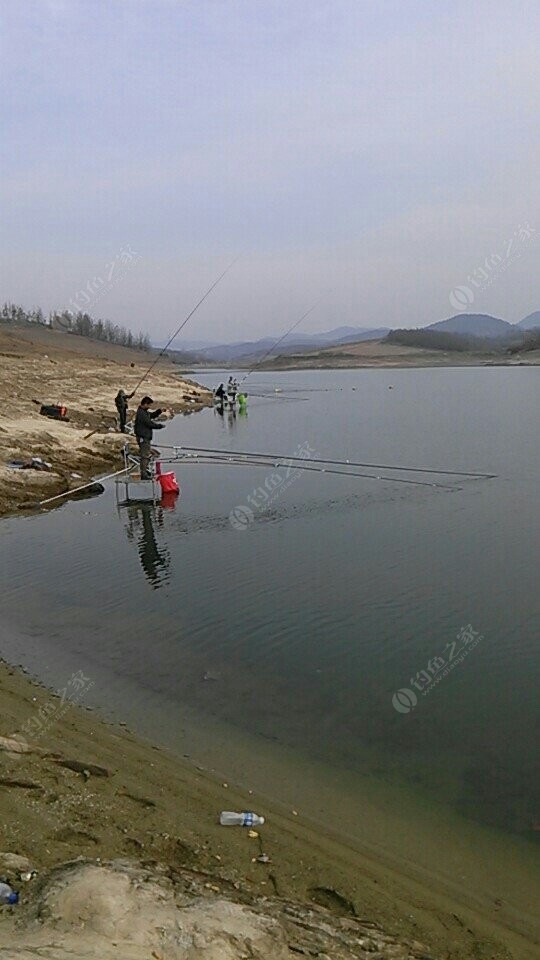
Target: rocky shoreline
x,y
89,444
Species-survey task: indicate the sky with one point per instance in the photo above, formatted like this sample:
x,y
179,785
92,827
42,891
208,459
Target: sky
x,y
380,155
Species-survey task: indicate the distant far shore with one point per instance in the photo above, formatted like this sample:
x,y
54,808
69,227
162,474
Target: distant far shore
x,y
376,354
380,354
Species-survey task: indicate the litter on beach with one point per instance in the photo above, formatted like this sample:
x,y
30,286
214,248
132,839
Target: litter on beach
x,y
229,818
31,463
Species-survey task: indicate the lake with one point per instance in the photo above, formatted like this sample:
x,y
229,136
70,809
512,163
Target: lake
x,y
314,635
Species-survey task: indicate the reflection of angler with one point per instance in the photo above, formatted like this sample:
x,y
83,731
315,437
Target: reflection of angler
x,y
155,562
228,416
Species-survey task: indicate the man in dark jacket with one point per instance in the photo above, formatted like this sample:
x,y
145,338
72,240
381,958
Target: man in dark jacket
x,y
144,425
121,401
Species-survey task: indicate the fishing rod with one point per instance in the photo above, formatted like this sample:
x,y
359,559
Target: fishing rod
x,y
182,325
342,463
85,486
281,339
277,396
233,461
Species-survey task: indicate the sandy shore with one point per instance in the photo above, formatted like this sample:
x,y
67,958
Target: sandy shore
x,y
90,789
43,366
83,788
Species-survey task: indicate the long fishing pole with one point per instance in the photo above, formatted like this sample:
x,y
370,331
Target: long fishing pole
x,y
278,396
281,339
182,325
342,463
231,461
85,486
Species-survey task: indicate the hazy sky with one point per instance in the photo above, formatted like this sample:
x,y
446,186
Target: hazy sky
x,y
379,150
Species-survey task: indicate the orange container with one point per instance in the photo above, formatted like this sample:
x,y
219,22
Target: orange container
x,y
168,482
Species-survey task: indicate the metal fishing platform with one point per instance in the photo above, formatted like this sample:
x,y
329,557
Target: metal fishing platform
x,y
130,489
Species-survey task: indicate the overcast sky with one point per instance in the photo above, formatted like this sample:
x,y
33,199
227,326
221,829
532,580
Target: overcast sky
x,y
375,151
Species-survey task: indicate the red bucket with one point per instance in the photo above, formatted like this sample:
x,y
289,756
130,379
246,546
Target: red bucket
x,y
168,501
168,482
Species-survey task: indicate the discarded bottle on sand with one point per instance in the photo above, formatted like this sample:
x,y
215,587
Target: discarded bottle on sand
x,y
230,819
7,895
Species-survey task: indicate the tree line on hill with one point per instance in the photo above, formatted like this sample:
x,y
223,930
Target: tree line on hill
x,y
80,324
519,340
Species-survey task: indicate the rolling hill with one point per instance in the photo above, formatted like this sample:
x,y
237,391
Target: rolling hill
x,y
473,324
531,322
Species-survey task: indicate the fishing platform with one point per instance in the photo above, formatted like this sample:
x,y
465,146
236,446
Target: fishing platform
x,y
131,489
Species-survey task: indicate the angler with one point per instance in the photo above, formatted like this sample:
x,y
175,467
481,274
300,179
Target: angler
x,y
121,403
144,427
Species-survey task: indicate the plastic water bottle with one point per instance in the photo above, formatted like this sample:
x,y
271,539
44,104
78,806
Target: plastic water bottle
x,y
7,895
230,819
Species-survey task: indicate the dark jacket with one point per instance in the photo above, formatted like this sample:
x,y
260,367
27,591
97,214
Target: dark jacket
x,y
144,423
121,400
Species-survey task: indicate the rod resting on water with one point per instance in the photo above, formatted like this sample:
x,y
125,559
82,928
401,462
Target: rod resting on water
x,y
236,462
340,463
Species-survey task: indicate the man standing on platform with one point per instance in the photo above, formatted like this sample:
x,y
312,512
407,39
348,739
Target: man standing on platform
x,y
144,426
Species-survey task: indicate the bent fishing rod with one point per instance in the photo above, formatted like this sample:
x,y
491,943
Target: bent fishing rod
x,y
282,338
182,325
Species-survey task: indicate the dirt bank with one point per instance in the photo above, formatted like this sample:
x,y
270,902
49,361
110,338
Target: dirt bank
x,y
43,366
84,788
147,909
380,354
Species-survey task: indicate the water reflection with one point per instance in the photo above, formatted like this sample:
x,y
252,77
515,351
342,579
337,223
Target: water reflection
x,y
226,414
155,559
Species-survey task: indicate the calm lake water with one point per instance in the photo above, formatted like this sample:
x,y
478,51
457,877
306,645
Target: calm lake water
x,y
308,618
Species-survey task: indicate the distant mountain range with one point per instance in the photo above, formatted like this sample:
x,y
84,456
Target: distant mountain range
x,y
243,352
